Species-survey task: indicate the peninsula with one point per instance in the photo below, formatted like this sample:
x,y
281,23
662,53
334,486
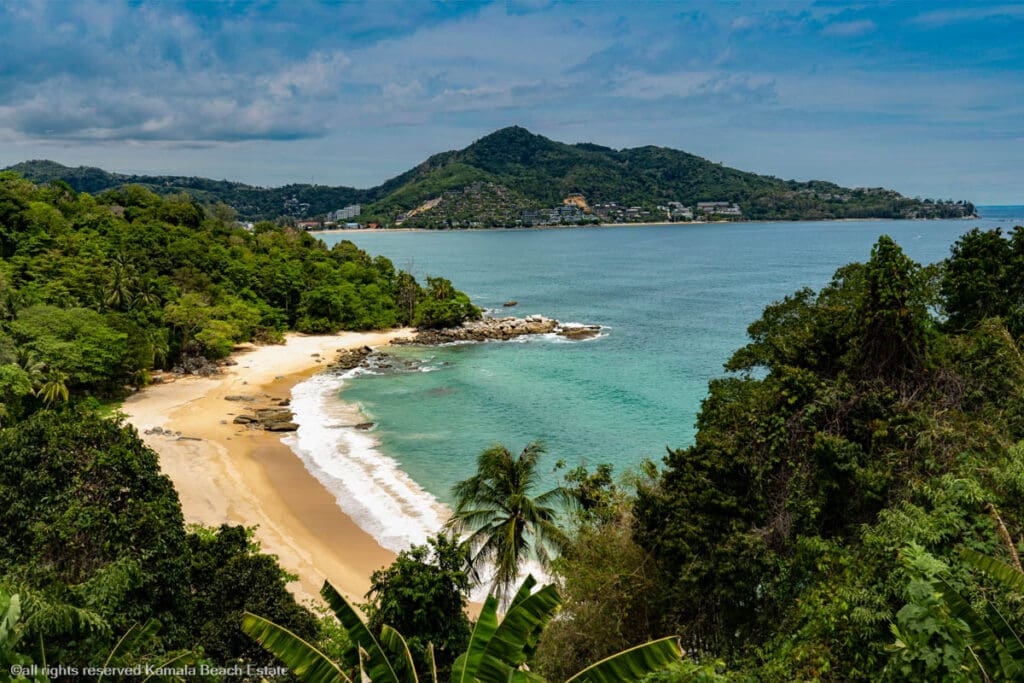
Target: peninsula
x,y
514,178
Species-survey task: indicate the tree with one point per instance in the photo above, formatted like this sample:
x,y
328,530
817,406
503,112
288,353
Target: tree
x,y
608,582
443,305
895,317
89,518
55,389
77,341
423,595
506,524
229,576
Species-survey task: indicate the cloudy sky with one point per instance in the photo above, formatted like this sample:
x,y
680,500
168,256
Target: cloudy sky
x,y
923,97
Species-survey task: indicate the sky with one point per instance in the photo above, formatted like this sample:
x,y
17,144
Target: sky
x,y
923,97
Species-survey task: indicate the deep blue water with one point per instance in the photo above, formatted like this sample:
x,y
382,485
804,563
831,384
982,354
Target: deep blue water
x,y
676,301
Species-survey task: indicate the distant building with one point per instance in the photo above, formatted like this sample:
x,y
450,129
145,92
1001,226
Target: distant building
x,y
677,211
719,208
350,211
308,225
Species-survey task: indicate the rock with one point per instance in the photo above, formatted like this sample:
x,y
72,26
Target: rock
x,y
578,332
281,427
509,304
485,329
284,402
240,397
315,355
351,358
275,412
279,377
244,419
188,438
363,426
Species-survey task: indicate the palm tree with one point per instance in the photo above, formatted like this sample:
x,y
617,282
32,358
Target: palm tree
x,y
55,388
506,524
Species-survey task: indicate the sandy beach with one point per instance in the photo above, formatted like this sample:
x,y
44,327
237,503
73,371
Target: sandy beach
x,y
227,473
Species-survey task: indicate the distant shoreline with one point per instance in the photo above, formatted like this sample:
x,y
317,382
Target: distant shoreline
x,y
355,231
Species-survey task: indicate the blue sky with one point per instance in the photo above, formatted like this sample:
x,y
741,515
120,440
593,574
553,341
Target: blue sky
x,y
923,97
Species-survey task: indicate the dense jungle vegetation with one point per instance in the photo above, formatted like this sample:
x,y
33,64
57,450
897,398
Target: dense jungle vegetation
x,y
97,291
851,509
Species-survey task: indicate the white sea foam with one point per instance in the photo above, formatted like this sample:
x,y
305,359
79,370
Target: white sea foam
x,y
368,486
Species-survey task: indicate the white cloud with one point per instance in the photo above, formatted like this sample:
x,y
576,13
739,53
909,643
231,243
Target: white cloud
x,y
850,29
945,17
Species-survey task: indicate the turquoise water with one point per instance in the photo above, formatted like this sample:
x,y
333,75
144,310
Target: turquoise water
x,y
676,301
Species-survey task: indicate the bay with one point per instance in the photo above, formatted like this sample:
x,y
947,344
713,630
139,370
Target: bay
x,y
675,301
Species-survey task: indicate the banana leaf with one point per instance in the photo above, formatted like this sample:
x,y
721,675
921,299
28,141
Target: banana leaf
x,y
633,664
303,659
378,667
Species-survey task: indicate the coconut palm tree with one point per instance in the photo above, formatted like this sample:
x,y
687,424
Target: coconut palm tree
x,y
507,524
55,388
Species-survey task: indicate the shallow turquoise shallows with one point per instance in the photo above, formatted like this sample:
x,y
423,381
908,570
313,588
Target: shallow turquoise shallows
x,y
676,301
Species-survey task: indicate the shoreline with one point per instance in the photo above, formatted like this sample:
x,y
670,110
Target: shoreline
x,y
227,474
372,231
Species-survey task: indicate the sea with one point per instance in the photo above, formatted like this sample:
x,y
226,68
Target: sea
x,y
674,303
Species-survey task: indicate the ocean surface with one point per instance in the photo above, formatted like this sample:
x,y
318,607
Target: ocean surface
x,y
675,302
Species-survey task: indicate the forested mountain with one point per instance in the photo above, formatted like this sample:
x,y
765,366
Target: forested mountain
x,y
250,202
522,171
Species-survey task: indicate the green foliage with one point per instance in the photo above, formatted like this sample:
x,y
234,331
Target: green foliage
x,y
984,278
856,428
497,650
422,595
76,341
444,306
507,523
303,658
230,576
87,503
931,643
106,289
609,583
91,537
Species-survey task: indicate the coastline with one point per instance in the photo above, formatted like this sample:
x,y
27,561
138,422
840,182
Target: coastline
x,y
226,473
372,231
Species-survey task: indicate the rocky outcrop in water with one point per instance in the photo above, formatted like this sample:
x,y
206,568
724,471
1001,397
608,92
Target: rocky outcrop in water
x,y
500,329
350,358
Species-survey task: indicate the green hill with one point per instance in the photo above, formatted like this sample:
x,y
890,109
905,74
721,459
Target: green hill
x,y
251,203
519,171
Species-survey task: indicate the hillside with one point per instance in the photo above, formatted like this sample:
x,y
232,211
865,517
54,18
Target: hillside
x,y
251,203
494,180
